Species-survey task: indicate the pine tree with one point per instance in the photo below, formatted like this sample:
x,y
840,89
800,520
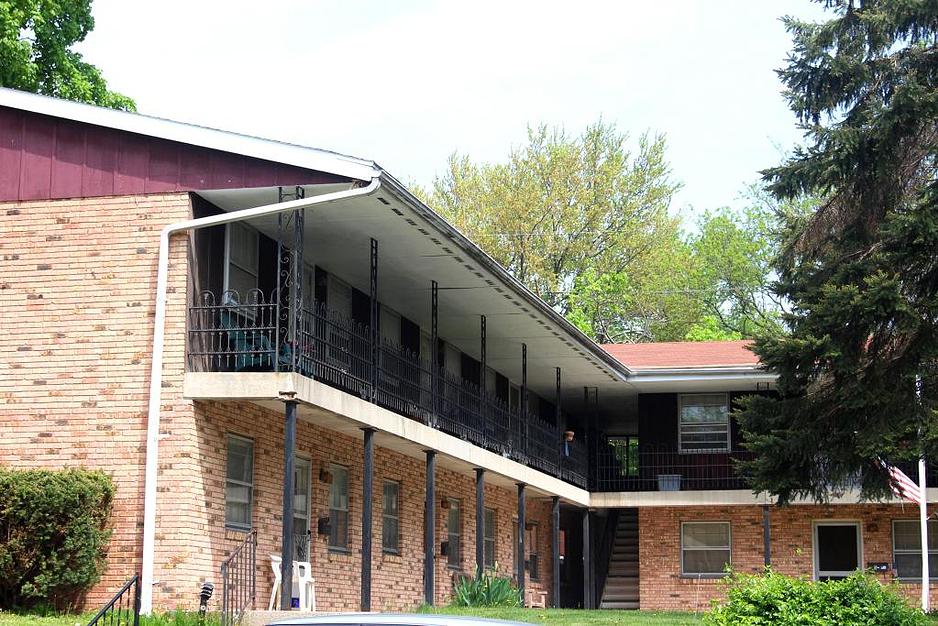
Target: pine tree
x,y
861,271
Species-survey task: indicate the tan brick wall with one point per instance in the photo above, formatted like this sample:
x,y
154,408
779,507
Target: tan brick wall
x,y
76,311
662,587
192,548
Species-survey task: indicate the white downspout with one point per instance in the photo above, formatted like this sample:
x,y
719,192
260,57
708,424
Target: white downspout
x,y
156,368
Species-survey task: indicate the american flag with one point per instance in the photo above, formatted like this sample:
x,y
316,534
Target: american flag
x,y
902,485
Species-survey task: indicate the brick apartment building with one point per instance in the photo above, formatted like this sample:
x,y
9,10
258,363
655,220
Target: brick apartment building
x,y
265,342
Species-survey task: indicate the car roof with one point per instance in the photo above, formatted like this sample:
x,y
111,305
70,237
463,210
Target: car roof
x,y
389,619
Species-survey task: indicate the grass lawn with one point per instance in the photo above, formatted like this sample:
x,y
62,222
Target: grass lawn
x,y
574,617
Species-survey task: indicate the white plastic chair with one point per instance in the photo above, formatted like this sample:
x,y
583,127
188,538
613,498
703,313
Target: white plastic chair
x,y
303,574
275,565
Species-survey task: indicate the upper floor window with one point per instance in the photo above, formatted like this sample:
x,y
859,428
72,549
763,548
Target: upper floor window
x,y
239,483
704,423
241,259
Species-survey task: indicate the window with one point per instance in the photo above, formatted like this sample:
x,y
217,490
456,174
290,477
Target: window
x,y
391,526
453,524
705,548
239,483
488,539
338,508
241,250
530,546
704,423
836,549
907,549
301,501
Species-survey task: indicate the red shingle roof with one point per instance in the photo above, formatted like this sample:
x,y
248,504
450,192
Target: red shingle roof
x,y
680,354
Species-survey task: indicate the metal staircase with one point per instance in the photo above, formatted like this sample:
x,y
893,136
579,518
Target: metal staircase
x,y
621,588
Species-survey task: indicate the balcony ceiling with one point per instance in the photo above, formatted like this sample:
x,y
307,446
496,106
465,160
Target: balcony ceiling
x,y
412,252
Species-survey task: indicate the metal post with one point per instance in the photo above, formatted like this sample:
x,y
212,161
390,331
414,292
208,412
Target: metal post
x,y
524,399
434,356
555,550
375,337
429,529
520,547
296,289
480,520
766,536
482,357
367,526
286,544
558,424
587,562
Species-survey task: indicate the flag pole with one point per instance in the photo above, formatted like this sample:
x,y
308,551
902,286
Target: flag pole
x,y
923,520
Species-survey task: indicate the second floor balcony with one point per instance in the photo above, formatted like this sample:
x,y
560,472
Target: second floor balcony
x,y
256,332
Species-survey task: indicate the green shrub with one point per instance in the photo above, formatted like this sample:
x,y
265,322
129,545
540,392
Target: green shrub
x,y
52,536
489,589
777,600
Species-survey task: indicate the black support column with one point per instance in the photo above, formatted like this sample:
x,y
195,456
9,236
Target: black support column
x,y
587,562
286,543
374,313
429,528
555,550
766,535
434,352
482,356
480,520
367,526
520,547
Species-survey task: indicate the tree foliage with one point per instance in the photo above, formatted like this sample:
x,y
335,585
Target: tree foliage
x,y
861,271
36,37
585,224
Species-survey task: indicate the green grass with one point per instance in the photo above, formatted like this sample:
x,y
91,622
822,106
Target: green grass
x,y
172,618
574,617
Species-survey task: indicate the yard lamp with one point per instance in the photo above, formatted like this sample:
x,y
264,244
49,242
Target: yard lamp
x,y
204,596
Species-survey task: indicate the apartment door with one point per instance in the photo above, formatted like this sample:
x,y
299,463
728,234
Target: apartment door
x,y
837,551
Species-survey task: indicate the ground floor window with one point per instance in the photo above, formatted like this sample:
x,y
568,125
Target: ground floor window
x,y
391,522
907,549
836,549
239,483
530,546
705,548
488,539
338,508
453,527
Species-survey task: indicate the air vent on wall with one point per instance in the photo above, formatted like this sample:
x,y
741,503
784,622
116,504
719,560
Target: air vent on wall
x,y
383,201
397,211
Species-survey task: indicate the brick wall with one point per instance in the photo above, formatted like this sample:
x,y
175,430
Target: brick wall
x,y
76,311
192,550
662,586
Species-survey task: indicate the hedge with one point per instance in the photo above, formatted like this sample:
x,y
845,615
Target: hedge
x,y
776,600
53,536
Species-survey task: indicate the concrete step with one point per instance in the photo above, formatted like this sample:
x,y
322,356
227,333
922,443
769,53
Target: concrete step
x,y
619,605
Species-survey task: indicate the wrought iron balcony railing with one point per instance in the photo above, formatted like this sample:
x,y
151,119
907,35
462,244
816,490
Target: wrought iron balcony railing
x,y
257,334
624,464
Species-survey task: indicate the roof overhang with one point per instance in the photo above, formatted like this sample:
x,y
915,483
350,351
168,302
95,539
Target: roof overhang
x,y
269,150
739,378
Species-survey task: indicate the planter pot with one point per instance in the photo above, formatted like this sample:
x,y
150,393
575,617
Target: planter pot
x,y
669,482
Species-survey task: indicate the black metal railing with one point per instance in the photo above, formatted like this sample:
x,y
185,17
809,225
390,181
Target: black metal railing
x,y
239,589
243,334
123,609
623,464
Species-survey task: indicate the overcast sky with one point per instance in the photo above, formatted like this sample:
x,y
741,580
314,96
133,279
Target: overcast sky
x,y
408,83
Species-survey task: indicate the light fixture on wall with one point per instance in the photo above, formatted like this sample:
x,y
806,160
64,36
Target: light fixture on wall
x,y
445,504
325,476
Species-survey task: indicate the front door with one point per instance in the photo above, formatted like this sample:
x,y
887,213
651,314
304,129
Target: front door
x,y
836,549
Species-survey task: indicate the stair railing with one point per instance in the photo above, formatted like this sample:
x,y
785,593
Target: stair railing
x,y
123,609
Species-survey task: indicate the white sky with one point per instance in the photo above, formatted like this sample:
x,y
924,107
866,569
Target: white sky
x,y
407,83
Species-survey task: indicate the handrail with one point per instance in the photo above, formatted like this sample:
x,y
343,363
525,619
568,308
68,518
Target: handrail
x,y
239,585
108,611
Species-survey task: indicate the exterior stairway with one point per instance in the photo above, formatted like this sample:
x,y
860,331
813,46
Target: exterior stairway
x,y
621,588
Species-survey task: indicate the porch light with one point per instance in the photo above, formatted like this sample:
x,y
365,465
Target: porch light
x,y
568,435
444,504
325,476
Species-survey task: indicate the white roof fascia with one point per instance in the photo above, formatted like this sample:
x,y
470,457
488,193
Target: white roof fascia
x,y
702,374
246,145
